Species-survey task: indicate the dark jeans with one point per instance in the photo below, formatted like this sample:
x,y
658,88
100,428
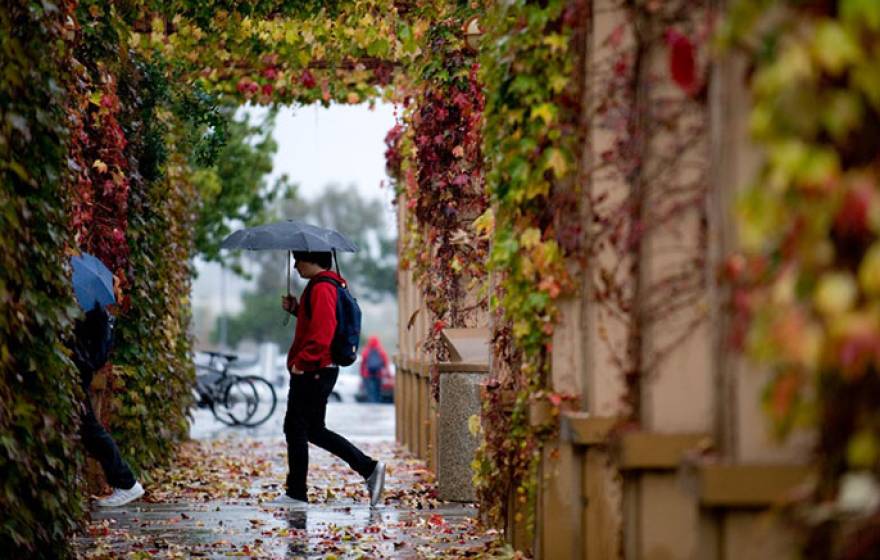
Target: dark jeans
x,y
101,446
304,423
373,385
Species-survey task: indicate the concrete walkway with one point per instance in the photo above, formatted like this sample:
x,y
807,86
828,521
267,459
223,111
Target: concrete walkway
x,y
214,503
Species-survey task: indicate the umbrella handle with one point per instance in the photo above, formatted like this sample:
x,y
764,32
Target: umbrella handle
x,y
287,315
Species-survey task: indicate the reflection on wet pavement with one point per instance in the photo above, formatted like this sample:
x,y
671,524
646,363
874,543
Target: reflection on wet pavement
x,y
215,501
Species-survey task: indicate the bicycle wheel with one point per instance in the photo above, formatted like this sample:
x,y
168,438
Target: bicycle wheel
x,y
237,402
265,402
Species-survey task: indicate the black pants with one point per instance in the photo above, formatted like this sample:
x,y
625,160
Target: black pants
x,y
101,446
304,423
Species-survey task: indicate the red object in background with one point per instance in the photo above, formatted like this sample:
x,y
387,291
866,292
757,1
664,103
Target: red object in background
x,y
683,62
387,387
373,343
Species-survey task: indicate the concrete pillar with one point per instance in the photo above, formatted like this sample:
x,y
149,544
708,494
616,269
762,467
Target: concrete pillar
x,y
456,446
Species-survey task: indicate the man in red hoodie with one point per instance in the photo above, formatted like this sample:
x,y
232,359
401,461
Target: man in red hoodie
x,y
312,377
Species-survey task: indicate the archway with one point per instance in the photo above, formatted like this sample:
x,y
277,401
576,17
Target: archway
x,y
367,49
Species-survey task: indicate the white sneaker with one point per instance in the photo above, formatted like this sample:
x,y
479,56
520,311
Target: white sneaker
x,y
120,497
376,483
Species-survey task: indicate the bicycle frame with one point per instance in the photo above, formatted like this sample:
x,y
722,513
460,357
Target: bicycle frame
x,y
214,388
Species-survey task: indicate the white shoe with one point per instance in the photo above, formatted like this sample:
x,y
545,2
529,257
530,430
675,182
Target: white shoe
x,y
376,483
120,497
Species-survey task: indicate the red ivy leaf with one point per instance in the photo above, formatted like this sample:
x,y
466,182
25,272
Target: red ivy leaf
x,y
851,221
307,79
682,62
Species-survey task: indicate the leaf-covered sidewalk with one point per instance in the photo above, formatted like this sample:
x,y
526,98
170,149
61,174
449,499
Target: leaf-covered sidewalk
x,y
214,503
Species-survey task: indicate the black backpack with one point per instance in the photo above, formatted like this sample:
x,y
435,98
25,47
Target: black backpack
x,y
93,340
347,336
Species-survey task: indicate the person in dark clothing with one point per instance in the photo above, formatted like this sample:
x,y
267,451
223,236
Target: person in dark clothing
x,y
93,338
312,377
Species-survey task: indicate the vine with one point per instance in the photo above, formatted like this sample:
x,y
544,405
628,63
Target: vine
x,y
806,282
530,65
649,183
281,54
447,193
101,184
82,157
152,368
137,222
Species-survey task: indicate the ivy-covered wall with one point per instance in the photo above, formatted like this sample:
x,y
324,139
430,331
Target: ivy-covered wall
x,y
89,163
105,118
532,134
152,366
39,456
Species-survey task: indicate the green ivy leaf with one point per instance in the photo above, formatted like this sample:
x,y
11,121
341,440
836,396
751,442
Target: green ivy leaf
x,y
835,46
858,12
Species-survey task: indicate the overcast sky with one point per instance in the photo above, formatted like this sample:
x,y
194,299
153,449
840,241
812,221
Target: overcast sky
x,y
342,144
317,146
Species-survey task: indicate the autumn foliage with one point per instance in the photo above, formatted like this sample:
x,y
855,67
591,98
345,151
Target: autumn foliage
x,y
806,287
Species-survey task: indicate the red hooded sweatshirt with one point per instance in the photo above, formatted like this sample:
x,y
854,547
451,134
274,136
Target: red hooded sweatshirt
x,y
373,342
311,341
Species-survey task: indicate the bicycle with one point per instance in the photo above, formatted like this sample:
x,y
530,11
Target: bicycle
x,y
234,400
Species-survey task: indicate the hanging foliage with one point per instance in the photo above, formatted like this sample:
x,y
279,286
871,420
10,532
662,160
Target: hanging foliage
x,y
130,214
531,72
447,193
152,369
296,56
806,283
101,184
81,148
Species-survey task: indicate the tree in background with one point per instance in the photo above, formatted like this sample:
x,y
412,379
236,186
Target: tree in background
x,y
230,175
371,271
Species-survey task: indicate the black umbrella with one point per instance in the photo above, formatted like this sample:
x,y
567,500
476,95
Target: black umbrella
x,y
290,235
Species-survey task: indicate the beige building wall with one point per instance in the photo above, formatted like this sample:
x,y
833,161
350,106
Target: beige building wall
x,y
604,494
742,429
702,391
675,282
604,336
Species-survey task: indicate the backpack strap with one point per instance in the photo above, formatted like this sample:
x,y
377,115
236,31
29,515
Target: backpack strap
x,y
307,294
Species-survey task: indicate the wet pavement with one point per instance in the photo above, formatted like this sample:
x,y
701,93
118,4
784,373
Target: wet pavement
x,y
214,502
356,421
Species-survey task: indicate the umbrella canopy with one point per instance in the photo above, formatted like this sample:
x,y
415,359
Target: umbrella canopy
x,y
289,235
92,282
